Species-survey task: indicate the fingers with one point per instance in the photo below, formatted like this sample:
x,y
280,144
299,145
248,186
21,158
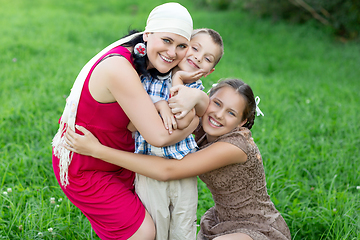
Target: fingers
x,y
174,123
169,125
180,115
170,129
69,140
198,74
82,129
71,136
175,110
175,89
70,148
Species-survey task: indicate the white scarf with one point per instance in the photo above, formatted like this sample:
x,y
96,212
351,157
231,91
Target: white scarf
x,y
168,17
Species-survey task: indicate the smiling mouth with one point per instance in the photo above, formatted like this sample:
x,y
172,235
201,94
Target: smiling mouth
x,y
215,123
166,59
192,63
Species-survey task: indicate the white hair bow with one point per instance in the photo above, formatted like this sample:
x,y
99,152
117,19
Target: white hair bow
x,y
214,85
258,111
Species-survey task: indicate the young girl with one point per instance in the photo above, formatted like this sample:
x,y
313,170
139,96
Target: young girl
x,y
105,96
174,203
229,162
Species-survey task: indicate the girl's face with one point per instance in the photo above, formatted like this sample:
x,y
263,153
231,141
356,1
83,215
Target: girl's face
x,y
202,54
165,50
224,113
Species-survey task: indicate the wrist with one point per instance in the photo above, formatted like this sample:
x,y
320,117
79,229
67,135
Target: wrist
x,y
97,151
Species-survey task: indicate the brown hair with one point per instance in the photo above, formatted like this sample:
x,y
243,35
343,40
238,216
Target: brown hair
x,y
244,90
215,36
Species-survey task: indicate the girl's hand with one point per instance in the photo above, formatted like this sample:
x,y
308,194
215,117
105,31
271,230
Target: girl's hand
x,y
83,144
183,100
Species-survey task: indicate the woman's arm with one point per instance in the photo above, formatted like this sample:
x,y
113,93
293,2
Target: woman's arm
x,y
123,84
217,155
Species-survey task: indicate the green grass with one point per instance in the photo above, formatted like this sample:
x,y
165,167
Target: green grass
x,y
307,80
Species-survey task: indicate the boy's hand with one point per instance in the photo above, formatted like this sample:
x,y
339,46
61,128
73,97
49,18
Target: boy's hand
x,y
188,77
169,121
166,115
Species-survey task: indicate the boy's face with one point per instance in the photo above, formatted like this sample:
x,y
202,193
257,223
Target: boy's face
x,y
201,55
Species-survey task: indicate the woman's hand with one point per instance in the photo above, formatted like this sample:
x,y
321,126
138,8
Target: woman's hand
x,y
85,144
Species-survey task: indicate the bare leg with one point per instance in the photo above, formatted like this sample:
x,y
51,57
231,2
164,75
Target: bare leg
x,y
234,236
146,231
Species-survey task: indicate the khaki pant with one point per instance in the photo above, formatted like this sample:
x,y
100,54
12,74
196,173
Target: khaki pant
x,y
172,206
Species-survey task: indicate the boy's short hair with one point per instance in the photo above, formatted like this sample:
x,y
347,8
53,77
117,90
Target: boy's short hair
x,y
215,36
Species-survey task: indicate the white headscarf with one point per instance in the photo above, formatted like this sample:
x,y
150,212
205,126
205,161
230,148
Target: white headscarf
x,y
168,17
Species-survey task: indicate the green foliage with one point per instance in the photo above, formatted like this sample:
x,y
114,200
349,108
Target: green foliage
x,y
307,82
342,16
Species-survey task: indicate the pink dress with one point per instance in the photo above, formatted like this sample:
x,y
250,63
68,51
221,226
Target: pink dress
x,y
102,191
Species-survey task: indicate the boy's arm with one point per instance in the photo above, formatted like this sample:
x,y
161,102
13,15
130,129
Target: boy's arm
x,y
185,121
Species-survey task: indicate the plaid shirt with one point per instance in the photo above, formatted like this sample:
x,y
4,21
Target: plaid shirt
x,y
159,89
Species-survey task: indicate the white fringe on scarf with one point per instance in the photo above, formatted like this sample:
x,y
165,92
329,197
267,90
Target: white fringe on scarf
x,y
69,115
168,17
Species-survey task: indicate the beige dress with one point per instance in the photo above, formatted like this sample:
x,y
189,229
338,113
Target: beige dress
x,y
242,204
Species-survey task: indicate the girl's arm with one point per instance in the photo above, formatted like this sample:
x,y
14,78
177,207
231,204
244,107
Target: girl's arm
x,y
217,155
123,83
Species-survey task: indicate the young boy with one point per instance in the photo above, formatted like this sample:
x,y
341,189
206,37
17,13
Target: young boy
x,y
173,204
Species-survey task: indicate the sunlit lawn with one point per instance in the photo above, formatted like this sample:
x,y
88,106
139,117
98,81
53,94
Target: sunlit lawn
x,y
307,80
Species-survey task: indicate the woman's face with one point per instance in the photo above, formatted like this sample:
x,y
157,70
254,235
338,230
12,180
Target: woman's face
x,y
224,113
165,50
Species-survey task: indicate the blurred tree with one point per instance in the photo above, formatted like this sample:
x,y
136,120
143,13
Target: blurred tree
x,y
343,16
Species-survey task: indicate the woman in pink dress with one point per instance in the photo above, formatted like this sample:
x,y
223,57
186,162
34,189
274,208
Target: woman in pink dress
x,y
106,95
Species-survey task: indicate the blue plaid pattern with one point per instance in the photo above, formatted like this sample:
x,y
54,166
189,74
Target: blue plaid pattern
x,y
159,89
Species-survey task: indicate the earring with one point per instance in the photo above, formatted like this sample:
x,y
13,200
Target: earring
x,y
140,49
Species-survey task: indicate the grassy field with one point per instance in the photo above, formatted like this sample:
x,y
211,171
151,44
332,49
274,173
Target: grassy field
x,y
307,80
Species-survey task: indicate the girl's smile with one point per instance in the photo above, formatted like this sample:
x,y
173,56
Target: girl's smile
x,y
224,113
